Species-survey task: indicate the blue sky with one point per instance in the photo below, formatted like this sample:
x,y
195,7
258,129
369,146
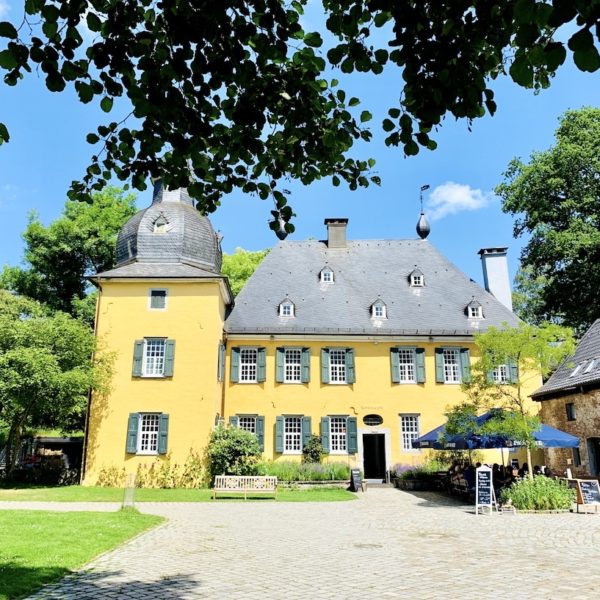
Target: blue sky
x,y
48,149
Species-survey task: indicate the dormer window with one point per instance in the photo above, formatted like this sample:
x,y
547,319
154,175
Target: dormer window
x,y
286,309
474,310
326,275
575,371
416,278
378,310
160,225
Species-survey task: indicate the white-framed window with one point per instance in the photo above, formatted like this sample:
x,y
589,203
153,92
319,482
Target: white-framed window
x,y
326,275
337,366
153,364
292,365
292,435
475,312
416,280
378,310
337,435
590,366
160,225
501,374
409,429
248,364
157,299
247,424
406,365
286,309
147,439
451,358
575,371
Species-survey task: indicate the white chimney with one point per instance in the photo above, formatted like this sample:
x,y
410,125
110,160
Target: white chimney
x,y
336,232
495,274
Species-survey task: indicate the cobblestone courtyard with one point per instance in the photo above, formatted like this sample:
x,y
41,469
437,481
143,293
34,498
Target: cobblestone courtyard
x,y
387,544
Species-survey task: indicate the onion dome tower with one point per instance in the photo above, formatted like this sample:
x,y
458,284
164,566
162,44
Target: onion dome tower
x,y
423,228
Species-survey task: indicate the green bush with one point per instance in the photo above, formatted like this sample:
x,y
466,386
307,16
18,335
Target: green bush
x,y
295,471
313,450
232,451
427,470
539,493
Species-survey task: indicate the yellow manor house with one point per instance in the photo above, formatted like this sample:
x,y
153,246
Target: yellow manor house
x,y
364,343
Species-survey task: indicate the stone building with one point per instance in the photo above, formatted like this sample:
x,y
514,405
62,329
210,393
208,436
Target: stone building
x,y
570,400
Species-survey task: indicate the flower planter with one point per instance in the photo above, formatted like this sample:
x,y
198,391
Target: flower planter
x,y
415,485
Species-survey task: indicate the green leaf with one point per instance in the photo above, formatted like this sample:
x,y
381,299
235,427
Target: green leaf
x,y
106,104
388,125
4,135
84,91
313,40
411,148
7,60
354,102
92,138
521,71
555,55
365,116
587,60
8,30
93,22
581,41
394,113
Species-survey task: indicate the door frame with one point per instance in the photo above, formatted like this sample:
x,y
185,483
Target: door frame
x,y
387,444
593,451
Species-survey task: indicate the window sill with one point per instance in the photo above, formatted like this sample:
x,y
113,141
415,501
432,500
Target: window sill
x,y
292,452
338,383
247,381
146,453
151,376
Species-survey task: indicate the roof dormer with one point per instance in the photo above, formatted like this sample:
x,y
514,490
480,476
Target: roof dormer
x,y
287,308
160,225
416,278
378,310
326,275
474,310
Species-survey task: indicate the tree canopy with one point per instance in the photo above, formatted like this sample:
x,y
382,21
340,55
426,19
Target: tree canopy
x,y
214,96
556,199
58,257
45,369
240,265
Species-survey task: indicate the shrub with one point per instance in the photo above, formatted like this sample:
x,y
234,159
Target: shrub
x,y
539,493
112,476
232,451
295,471
427,470
313,450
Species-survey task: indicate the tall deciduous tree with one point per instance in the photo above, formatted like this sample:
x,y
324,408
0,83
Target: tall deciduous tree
x,y
59,257
556,199
234,93
240,265
511,358
45,369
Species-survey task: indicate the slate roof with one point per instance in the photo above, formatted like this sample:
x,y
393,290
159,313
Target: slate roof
x,y
156,271
363,272
563,381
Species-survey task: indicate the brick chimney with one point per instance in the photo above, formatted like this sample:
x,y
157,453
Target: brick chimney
x,y
336,232
495,274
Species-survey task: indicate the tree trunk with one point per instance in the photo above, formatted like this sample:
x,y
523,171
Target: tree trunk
x,y
530,470
13,444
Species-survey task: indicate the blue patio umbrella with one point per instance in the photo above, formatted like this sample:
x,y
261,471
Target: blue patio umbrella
x,y
545,437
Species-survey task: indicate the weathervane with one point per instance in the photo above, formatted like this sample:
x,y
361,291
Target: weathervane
x,y
423,188
423,227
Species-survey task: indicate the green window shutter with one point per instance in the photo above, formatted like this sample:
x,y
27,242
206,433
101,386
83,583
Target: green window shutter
x,y
306,431
350,370
420,364
169,358
513,371
325,434
279,363
221,363
305,364
278,434
260,432
132,433
324,365
395,365
235,365
439,365
261,365
234,421
465,364
352,435
138,357
163,433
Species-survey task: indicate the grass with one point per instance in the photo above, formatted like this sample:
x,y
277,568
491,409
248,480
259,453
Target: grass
x,y
77,493
39,547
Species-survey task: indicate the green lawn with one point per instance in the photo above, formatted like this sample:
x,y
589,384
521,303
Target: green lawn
x,y
77,493
39,547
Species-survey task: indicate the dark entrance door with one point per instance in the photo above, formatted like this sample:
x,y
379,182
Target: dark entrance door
x,y
593,445
374,455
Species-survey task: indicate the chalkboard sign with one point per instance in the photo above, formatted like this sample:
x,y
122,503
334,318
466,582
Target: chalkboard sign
x,y
590,491
355,480
484,492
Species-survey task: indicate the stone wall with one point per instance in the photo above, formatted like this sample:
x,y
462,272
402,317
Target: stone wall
x,y
586,425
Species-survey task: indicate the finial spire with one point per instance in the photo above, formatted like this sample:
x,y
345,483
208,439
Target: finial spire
x,y
423,228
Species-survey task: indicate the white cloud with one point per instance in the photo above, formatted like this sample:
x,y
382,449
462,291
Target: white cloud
x,y
451,198
4,8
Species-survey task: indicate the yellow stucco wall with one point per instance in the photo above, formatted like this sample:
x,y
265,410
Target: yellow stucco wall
x,y
192,397
372,393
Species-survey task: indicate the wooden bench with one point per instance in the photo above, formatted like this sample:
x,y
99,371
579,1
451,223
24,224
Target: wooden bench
x,y
245,484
